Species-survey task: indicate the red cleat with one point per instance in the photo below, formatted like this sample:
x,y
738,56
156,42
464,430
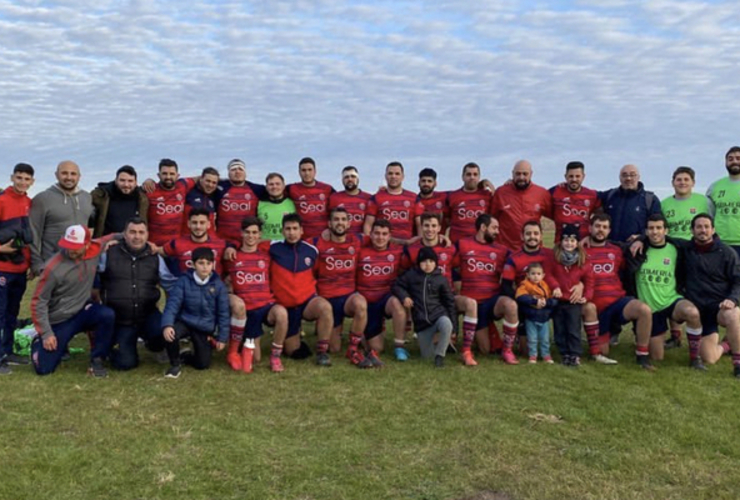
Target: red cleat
x,y
509,358
468,359
276,366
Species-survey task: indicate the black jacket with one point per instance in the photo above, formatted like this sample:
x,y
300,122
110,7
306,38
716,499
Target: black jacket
x,y
431,293
711,276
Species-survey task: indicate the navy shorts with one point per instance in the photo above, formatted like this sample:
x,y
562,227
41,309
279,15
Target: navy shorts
x,y
255,319
376,317
661,318
295,317
709,324
337,308
612,313
485,312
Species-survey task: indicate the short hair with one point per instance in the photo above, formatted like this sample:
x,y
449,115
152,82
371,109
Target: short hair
x,y
535,265
426,172
291,218
601,217
340,210
307,159
23,168
703,215
684,170
471,164
199,211
733,149
166,162
574,165
209,171
382,223
394,164
483,220
348,168
135,221
251,220
202,253
272,175
126,169
656,218
430,215
532,222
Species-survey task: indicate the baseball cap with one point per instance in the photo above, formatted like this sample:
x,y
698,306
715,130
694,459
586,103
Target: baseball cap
x,y
75,237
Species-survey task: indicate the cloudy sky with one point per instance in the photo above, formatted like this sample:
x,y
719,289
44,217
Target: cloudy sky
x,y
430,83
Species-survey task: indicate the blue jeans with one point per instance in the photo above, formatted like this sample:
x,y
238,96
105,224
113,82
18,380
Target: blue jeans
x,y
12,288
538,333
95,317
125,355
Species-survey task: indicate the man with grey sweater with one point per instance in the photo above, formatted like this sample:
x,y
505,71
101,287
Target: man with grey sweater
x,y
61,305
52,211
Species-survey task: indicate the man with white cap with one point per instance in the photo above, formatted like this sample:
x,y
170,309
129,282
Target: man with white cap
x,y
61,305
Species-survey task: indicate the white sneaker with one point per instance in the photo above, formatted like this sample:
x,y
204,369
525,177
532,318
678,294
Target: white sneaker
x,y
603,360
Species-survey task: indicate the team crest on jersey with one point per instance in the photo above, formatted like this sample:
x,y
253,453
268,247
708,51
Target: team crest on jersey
x,y
322,196
587,203
406,204
212,290
692,210
492,255
482,203
438,205
179,197
443,256
537,207
391,258
261,264
247,196
667,262
2,281
611,256
351,250
362,206
307,260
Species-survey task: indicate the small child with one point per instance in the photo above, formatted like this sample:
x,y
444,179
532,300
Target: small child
x,y
426,291
536,301
196,305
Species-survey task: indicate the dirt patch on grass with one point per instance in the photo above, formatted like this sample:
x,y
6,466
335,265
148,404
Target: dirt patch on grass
x,y
488,495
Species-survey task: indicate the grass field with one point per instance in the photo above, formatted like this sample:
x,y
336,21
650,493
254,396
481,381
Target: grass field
x,y
407,431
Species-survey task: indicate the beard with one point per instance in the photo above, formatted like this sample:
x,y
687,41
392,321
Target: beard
x,y
426,190
350,186
490,238
733,168
521,185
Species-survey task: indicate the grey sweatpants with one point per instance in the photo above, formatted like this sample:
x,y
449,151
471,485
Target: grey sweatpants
x,y
443,325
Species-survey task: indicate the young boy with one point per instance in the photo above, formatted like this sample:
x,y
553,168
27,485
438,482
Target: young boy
x,y
535,300
427,292
15,257
197,304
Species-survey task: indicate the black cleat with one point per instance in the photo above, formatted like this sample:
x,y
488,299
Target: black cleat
x,y
645,364
439,361
697,364
97,369
322,359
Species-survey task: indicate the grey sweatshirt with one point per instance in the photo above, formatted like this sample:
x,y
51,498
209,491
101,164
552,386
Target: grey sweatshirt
x,y
52,212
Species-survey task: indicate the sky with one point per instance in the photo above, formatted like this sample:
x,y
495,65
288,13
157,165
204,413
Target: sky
x,y
429,83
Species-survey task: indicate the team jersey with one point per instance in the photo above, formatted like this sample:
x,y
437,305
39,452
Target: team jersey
x,y
14,226
292,272
679,213
400,210
337,265
446,257
513,207
250,277
196,198
656,278
355,204
724,196
464,208
311,203
166,214
606,262
481,265
437,204
233,204
573,208
515,269
180,252
271,214
377,270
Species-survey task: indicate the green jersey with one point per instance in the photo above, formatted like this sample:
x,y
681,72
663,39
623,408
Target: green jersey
x,y
271,214
656,279
725,198
679,213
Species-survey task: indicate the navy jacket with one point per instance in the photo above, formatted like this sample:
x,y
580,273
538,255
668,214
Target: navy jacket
x,y
629,210
202,307
432,296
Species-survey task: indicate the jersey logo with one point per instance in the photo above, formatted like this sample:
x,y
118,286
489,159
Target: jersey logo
x,y
247,196
438,204
351,250
506,207
406,204
391,258
322,196
179,197
482,203
302,197
692,210
443,256
667,262
261,264
362,206
161,198
492,255
307,260
587,202
611,256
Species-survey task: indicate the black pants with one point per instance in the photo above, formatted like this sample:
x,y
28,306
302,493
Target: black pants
x,y
124,355
200,358
566,321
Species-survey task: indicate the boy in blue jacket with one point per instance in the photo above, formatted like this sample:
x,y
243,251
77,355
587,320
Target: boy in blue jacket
x,y
196,305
